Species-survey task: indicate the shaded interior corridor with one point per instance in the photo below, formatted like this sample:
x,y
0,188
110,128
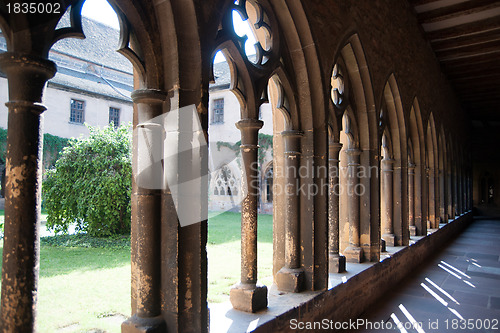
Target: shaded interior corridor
x,y
462,282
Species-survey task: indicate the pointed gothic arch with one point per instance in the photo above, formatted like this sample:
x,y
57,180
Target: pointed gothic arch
x,y
431,165
416,135
392,118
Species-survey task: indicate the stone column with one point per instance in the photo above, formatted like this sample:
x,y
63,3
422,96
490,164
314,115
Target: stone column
x,y
146,214
386,202
431,222
411,199
354,252
291,277
27,76
247,295
336,261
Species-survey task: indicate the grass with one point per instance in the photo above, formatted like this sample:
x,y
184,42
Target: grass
x,y
85,282
224,253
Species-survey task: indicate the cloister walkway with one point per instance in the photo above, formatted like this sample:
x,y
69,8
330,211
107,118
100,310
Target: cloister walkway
x,y
458,290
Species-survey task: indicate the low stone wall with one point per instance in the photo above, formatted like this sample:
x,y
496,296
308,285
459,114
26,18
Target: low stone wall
x,y
349,300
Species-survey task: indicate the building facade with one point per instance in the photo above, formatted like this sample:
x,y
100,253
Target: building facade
x,y
371,144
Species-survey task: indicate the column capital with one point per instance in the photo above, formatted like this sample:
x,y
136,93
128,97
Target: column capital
x,y
149,96
14,62
249,132
249,123
292,142
27,75
334,149
353,151
387,164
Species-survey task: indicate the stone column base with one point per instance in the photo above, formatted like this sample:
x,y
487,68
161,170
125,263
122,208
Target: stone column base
x,y
290,280
353,254
136,324
383,247
336,263
390,240
248,298
413,230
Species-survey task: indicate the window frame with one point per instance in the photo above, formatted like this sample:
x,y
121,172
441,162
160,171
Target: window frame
x,y
218,111
116,124
77,115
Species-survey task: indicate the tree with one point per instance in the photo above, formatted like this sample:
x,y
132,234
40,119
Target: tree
x,y
91,183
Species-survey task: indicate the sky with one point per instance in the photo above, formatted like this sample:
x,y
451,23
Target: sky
x,y
101,11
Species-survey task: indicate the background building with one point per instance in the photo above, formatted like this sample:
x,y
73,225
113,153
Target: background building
x,y
93,86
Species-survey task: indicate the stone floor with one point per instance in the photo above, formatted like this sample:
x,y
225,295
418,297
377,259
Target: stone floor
x,y
456,291
224,319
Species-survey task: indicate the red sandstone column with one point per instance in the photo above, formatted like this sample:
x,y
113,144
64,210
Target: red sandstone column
x,y
27,76
247,295
291,277
353,253
386,202
411,199
146,215
336,261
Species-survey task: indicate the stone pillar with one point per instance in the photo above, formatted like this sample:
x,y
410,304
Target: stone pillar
x,y
411,199
247,295
353,253
459,193
431,222
146,215
27,76
336,261
449,186
386,202
291,277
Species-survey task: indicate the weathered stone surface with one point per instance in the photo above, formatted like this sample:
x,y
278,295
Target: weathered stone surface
x,y
353,254
248,298
136,324
290,280
337,264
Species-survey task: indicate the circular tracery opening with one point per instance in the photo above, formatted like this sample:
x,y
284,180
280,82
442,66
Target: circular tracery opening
x,y
250,22
338,86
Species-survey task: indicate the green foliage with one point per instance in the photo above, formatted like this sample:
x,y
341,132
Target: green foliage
x,y
3,145
52,146
87,241
91,183
265,144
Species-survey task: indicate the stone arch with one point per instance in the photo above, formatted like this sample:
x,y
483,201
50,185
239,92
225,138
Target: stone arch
x,y
392,117
361,104
305,77
432,163
442,172
416,135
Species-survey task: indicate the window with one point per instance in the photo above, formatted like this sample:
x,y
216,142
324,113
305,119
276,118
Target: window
x,y
114,116
269,185
77,114
218,111
225,183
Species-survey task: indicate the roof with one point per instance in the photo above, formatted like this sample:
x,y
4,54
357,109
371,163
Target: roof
x,y
222,75
86,83
465,36
99,46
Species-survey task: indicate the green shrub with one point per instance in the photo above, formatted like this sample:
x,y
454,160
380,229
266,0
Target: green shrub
x,y
91,183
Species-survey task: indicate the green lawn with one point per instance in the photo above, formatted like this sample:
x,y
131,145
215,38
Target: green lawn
x,y
224,253
83,289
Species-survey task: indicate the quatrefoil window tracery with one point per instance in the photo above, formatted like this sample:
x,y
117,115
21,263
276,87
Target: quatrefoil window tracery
x,y
251,13
339,87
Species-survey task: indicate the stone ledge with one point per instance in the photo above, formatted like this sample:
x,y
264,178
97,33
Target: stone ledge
x,y
369,285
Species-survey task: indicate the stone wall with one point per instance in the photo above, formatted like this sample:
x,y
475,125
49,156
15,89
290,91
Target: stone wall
x,y
349,300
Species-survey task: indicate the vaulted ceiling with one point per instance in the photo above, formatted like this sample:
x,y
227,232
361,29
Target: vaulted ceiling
x,y
465,36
